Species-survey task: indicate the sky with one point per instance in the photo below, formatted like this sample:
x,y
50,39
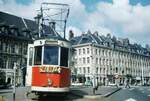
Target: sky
x,y
121,18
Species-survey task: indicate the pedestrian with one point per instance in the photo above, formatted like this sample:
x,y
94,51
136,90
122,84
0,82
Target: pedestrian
x,y
117,82
94,85
127,83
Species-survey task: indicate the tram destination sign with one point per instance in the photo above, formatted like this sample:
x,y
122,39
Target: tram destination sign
x,y
50,69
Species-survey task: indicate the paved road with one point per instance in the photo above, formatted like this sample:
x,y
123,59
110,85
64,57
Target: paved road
x,y
21,96
131,94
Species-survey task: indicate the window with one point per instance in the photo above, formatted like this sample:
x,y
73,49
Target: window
x,y
5,47
79,51
20,49
83,51
12,61
80,60
4,62
88,60
96,60
64,57
84,70
51,55
88,69
96,70
25,49
80,70
103,52
100,61
30,55
38,55
99,52
88,51
12,48
96,51
83,60
16,48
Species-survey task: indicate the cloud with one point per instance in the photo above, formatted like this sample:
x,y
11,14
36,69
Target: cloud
x,y
122,19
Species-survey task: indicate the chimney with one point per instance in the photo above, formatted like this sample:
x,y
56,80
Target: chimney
x,y
71,34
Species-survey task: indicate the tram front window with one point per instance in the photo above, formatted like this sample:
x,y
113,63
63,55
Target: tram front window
x,y
51,55
38,55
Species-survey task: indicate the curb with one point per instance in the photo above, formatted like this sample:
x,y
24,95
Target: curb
x,y
87,96
110,93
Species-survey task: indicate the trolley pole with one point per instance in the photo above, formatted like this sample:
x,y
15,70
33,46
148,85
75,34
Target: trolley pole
x,y
14,89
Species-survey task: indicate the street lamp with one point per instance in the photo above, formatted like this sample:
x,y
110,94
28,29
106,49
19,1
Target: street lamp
x,y
14,89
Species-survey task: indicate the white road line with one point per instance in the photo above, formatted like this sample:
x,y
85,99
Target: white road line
x,y
148,95
131,88
130,99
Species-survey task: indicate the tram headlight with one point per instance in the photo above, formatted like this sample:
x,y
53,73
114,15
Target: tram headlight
x,y
49,82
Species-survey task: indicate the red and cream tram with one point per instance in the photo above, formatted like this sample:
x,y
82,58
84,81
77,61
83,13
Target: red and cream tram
x,y
48,66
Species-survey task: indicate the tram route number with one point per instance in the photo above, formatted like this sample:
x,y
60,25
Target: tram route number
x,y
50,69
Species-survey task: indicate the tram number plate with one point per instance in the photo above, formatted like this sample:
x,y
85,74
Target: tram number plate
x,y
50,69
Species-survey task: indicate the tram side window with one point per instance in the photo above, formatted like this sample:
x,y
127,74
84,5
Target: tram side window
x,y
51,55
64,57
38,55
30,55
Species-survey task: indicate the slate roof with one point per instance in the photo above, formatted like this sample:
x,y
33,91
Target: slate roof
x,y
108,41
12,20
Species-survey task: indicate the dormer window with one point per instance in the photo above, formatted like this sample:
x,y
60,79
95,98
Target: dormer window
x,y
108,44
13,30
26,33
4,29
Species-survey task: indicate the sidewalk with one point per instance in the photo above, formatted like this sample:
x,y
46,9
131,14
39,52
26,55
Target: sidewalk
x,y
87,92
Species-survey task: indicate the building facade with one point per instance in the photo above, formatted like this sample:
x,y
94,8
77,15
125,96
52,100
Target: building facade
x,y
14,39
108,59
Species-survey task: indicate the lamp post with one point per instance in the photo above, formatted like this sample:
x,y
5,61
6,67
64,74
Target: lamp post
x,y
14,89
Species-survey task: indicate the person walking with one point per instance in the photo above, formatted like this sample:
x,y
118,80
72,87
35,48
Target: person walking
x,y
127,83
94,85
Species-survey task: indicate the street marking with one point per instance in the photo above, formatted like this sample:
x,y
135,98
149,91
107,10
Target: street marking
x,y
131,89
148,95
130,99
142,91
148,89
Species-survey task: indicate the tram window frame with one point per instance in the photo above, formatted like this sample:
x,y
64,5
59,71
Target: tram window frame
x,y
53,50
64,57
38,61
30,56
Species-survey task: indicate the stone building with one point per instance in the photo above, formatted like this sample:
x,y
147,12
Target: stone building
x,y
107,58
15,34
